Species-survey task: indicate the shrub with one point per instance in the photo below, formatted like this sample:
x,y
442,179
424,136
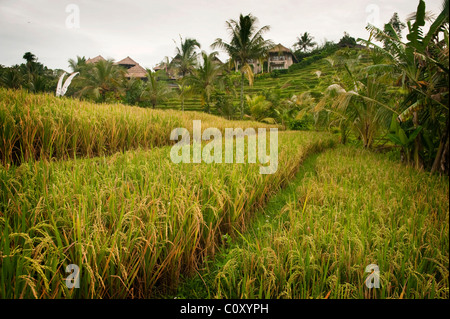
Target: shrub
x,y
276,73
305,123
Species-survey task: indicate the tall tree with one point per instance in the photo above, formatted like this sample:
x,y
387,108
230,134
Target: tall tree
x,y
394,30
397,25
29,57
205,77
186,58
246,44
155,91
104,77
36,77
78,64
304,42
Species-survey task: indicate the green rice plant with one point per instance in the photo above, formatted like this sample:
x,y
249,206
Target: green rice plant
x,y
42,126
341,214
133,222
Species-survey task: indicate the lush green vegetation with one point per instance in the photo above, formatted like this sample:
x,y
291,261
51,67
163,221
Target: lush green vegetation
x,y
342,213
133,222
87,179
37,126
32,75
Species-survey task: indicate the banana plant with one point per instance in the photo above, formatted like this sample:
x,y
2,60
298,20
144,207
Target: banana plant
x,y
423,62
400,137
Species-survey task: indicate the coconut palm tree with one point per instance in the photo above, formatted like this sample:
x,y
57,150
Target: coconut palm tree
x,y
363,107
11,77
29,57
205,77
246,44
184,91
260,108
102,78
186,58
78,64
304,42
156,92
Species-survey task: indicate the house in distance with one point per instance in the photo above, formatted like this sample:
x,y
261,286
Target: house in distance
x,y
279,58
134,70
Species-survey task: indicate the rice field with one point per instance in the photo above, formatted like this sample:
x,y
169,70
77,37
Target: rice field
x,y
132,222
348,208
286,85
42,126
93,185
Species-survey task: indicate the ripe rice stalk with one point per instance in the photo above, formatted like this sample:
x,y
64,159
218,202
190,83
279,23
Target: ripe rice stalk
x,y
134,222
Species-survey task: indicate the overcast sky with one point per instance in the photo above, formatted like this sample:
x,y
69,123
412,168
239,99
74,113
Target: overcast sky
x,y
56,31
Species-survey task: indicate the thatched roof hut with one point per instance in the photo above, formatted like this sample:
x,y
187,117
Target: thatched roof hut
x,y
95,60
136,71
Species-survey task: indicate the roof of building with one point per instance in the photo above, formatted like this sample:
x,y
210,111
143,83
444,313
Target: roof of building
x,y
127,61
96,59
136,71
217,60
279,48
160,66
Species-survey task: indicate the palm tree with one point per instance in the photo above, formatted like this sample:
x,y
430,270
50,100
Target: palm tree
x,y
247,43
363,107
11,77
29,57
184,91
102,78
155,92
304,42
133,90
260,108
205,77
186,59
78,64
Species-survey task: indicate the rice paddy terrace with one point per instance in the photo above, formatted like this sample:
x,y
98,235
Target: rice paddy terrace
x,y
93,185
314,78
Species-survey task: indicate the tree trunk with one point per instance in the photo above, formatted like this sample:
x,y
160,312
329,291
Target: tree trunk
x,y
242,95
417,144
439,160
343,130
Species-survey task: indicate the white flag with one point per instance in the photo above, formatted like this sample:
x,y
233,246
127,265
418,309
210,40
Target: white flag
x,y
67,83
58,87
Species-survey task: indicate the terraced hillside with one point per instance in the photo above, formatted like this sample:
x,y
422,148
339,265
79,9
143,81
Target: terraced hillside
x,y
314,77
